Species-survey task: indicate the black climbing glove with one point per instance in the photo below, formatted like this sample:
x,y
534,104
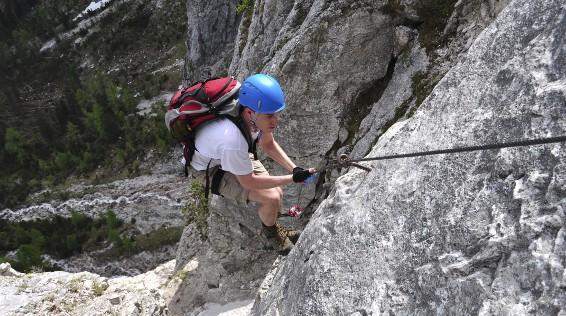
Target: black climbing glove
x,y
300,174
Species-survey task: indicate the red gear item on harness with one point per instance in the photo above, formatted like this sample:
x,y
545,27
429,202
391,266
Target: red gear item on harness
x,y
296,210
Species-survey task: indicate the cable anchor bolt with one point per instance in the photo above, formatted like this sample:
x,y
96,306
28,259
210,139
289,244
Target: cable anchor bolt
x,y
343,160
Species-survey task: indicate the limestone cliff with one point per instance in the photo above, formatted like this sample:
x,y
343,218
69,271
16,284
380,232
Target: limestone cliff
x,y
476,233
462,234
211,29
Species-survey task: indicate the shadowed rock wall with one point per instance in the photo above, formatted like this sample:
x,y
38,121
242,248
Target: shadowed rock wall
x,y
211,28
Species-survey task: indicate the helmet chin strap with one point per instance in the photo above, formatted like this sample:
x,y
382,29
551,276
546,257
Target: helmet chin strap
x,y
253,123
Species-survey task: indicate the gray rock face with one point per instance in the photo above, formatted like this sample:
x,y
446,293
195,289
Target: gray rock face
x,y
325,54
151,200
232,261
63,293
6,270
463,234
212,28
395,100
416,69
338,61
258,40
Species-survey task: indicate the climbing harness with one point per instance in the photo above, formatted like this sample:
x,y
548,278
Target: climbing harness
x,y
344,161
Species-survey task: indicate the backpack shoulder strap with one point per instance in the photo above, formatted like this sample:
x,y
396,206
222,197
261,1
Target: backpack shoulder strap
x,y
252,144
189,149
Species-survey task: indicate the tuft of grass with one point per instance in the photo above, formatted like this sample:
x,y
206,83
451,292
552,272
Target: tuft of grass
x,y
181,275
196,209
69,305
75,285
245,6
99,288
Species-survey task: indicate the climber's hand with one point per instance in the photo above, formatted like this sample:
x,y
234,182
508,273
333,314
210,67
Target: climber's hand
x,y
300,174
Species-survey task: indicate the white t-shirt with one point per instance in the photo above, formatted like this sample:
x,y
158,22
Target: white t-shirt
x,y
222,142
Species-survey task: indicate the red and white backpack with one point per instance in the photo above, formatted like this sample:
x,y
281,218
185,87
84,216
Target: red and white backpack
x,y
192,107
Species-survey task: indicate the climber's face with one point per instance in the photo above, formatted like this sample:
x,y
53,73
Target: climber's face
x,y
266,122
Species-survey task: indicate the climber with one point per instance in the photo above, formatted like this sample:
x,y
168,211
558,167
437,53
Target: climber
x,y
227,151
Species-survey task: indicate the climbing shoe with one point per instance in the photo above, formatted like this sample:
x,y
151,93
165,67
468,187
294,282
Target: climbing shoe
x,y
277,236
292,234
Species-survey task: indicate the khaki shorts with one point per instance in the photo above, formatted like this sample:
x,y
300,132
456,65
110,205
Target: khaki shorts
x,y
230,187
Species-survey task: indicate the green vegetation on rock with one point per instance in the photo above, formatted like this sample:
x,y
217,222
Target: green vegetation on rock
x,y
196,209
63,237
70,110
101,130
245,6
98,288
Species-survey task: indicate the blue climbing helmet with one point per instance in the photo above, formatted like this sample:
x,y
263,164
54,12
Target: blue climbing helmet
x,y
262,94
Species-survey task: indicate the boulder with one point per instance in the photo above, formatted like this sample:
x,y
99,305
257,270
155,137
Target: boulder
x,y
6,270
